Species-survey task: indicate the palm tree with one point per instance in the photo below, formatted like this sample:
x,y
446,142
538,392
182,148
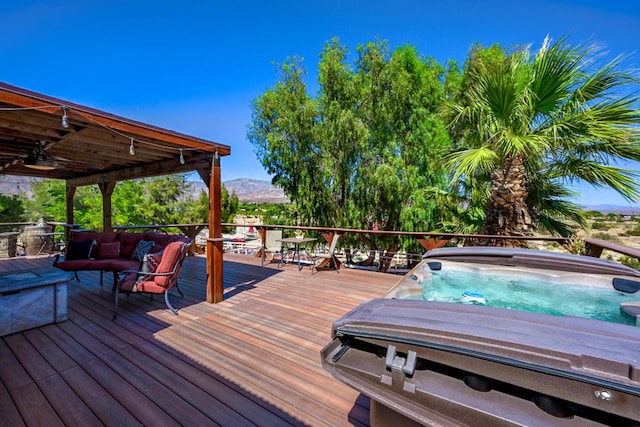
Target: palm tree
x,y
530,125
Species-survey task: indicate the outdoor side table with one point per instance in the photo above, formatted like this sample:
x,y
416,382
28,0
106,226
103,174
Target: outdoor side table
x,y
297,244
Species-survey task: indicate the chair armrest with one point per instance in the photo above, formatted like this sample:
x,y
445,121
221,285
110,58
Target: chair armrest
x,y
144,273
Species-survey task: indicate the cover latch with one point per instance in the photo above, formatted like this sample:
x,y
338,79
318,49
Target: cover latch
x,y
401,368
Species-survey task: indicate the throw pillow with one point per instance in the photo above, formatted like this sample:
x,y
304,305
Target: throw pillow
x,y
143,248
79,249
109,250
150,262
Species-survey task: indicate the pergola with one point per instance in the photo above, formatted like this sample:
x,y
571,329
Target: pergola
x,y
46,137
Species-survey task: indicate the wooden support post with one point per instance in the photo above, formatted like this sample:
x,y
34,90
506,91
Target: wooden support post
x,y
71,191
215,276
205,176
106,188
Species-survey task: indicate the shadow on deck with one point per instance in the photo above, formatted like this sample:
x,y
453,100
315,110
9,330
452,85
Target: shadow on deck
x,y
253,359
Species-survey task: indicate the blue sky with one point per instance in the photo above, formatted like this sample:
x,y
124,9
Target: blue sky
x,y
195,66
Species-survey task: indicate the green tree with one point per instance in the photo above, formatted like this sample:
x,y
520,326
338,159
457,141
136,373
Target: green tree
x,y
196,210
363,152
11,210
527,125
165,199
47,201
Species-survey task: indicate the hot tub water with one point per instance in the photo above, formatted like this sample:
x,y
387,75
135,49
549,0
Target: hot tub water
x,y
528,294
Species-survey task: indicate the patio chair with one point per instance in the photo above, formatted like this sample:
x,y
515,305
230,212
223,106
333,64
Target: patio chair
x,y
271,244
160,281
329,258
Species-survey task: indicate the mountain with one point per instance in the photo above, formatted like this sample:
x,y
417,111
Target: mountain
x,y
620,210
11,185
253,190
257,191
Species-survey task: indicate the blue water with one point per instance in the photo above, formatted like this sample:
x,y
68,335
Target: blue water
x,y
530,295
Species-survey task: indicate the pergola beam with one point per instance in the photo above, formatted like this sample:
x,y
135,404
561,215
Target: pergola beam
x,y
202,161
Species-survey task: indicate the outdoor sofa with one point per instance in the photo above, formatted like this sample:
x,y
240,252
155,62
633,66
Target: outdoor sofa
x,y
112,251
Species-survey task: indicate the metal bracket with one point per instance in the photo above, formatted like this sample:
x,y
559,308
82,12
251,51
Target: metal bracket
x,y
400,368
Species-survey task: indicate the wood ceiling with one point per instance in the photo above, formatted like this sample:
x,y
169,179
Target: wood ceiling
x,y
94,148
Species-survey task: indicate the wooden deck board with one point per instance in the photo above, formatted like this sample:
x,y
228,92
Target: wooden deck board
x,y
253,359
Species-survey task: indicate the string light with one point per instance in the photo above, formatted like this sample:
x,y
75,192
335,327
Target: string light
x,y
65,124
65,118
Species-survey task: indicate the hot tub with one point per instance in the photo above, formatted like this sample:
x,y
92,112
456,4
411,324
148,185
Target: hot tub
x,y
440,363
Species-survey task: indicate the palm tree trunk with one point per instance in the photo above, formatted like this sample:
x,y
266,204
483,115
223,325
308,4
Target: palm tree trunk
x,y
508,213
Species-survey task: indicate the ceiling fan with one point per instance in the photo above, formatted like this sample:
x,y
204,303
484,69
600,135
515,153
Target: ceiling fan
x,y
40,160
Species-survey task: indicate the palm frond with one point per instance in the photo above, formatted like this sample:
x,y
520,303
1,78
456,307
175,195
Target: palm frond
x,y
471,162
623,181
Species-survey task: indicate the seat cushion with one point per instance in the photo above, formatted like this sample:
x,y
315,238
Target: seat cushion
x,y
131,284
128,243
108,250
75,265
123,264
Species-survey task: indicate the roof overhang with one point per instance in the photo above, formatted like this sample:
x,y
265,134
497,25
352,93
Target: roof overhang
x,y
94,146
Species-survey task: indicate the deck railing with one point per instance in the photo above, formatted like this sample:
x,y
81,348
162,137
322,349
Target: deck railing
x,y
428,240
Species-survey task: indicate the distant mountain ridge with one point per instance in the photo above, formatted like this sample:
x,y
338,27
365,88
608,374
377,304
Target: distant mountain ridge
x,y
257,191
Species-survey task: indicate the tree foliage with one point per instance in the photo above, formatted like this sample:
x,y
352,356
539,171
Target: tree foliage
x,y
363,152
158,200
527,125
11,210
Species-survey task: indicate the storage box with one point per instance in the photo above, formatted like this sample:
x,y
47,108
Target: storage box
x,y
29,299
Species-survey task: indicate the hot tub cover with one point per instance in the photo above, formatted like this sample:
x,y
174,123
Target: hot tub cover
x,y
457,364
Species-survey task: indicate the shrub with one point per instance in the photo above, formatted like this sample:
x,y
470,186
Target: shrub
x,y
600,225
593,214
635,231
630,262
606,236
576,246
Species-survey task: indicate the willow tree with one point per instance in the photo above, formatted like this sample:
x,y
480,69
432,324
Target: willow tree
x,y
531,124
362,153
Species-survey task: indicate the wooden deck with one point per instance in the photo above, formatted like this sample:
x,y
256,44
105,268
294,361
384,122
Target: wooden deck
x,y
250,360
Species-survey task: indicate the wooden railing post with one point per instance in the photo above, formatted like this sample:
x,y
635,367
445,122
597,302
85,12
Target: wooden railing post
x,y
215,276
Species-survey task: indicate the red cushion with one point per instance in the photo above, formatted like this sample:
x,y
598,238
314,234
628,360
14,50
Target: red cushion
x,y
160,239
130,284
75,264
108,250
128,243
169,259
99,238
121,264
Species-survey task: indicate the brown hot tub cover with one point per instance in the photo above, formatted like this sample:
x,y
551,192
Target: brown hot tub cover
x,y
458,364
